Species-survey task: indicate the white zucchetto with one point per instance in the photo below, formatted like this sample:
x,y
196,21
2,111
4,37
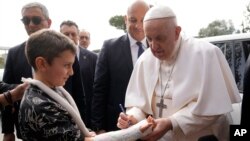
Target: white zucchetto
x,y
158,12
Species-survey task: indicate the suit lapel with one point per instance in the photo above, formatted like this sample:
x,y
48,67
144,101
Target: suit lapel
x,y
25,63
81,56
125,46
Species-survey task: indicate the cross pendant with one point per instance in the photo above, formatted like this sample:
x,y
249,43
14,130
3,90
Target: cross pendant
x,y
161,106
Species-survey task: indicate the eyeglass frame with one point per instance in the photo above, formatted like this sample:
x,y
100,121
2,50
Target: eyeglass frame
x,y
36,20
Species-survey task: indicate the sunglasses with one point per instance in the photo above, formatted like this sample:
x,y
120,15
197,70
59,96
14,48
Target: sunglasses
x,y
35,20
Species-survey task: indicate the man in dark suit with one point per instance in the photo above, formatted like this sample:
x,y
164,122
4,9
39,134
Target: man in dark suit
x,y
87,61
35,17
245,112
114,67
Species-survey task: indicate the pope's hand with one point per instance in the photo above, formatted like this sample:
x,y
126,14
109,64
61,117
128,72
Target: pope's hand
x,y
163,125
124,121
91,138
150,123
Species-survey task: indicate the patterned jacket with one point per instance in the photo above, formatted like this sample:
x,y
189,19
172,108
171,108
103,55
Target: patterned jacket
x,y
42,118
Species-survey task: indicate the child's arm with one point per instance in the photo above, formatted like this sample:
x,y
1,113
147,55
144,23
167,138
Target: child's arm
x,y
134,132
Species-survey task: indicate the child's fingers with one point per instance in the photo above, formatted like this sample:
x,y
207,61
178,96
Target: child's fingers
x,y
144,127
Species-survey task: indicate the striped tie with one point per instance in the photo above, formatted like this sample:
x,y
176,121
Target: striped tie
x,y
140,50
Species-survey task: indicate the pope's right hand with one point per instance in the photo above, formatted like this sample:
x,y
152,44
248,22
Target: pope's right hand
x,y
124,121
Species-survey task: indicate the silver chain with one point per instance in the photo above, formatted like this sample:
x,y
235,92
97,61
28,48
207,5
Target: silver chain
x,y
163,92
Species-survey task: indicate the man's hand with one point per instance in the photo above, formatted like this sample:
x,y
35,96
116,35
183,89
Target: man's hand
x,y
124,121
18,92
100,132
163,125
9,137
150,123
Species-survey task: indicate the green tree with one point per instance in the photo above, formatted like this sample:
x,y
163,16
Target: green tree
x,y
217,27
1,62
246,22
118,22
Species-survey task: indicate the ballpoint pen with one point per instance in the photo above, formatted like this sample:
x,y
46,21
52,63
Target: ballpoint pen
x,y
123,110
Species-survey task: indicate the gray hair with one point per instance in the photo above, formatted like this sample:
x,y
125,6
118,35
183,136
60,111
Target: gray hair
x,y
38,5
84,30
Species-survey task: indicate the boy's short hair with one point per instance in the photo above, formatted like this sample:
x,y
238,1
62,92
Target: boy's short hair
x,y
48,44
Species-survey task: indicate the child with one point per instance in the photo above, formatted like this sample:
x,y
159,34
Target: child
x,y
47,111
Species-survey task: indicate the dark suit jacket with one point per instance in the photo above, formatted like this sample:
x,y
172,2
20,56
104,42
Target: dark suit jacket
x,y
17,67
113,70
87,62
245,112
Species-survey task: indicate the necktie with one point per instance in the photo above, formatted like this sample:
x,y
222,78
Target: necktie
x,y
140,50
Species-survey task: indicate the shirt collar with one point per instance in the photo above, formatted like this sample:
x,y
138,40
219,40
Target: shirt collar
x,y
133,41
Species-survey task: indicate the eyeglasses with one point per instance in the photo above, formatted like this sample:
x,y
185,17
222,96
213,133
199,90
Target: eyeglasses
x,y
35,20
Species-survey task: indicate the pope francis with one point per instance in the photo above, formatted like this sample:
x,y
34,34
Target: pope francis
x,y
185,83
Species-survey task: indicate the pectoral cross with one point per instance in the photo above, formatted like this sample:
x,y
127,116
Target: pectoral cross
x,y
161,106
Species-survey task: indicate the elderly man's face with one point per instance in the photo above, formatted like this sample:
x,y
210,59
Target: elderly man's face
x,y
84,39
34,20
162,37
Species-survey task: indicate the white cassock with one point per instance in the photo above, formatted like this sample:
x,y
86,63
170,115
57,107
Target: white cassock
x,y
200,94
